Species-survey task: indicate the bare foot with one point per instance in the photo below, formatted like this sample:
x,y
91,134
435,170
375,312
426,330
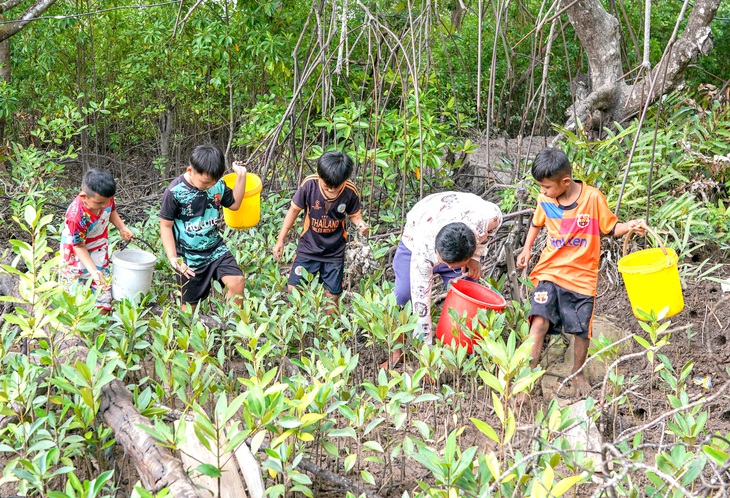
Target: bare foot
x,y
394,361
428,380
520,400
581,387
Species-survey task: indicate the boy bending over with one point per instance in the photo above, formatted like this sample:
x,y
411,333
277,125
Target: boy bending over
x,y
446,234
567,273
85,236
191,206
329,198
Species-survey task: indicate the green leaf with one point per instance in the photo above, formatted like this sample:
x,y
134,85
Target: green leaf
x,y
644,343
486,429
235,441
350,462
257,440
299,478
718,456
564,485
209,470
346,432
373,446
423,429
492,381
367,477
289,422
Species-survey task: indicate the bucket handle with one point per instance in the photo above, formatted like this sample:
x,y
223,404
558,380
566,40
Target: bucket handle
x,y
123,245
631,232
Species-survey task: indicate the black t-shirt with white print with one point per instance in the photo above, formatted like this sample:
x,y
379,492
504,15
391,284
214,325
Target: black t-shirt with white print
x,y
324,236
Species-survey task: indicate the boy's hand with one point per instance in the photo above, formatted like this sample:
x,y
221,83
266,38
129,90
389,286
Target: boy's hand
x,y
473,269
180,266
523,258
127,234
239,168
100,280
639,226
363,228
278,249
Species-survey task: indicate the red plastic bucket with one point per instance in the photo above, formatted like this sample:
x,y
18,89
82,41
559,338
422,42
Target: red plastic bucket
x,y
465,296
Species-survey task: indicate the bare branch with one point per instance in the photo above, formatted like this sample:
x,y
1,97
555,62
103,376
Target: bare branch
x,y
38,8
6,6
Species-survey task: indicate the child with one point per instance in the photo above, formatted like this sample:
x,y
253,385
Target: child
x,y
85,236
445,234
567,273
191,206
329,198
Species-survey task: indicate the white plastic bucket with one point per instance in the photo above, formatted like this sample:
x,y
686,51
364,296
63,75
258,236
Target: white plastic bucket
x,y
132,273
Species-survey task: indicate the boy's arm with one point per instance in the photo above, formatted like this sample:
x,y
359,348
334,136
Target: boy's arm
x,y
524,257
357,220
421,273
240,187
116,220
621,229
289,219
168,242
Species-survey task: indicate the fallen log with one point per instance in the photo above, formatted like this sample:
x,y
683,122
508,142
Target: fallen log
x,y
157,467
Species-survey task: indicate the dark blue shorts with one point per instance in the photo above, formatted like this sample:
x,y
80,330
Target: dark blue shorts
x,y
197,288
329,273
564,309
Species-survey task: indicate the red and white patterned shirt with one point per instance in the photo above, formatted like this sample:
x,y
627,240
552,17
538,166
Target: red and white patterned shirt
x,y
81,226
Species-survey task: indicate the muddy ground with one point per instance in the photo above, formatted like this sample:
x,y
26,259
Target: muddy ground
x,y
702,334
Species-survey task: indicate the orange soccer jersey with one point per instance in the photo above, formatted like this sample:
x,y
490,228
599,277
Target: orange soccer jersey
x,y
573,249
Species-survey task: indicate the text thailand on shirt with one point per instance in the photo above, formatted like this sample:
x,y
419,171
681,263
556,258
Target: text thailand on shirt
x,y
324,234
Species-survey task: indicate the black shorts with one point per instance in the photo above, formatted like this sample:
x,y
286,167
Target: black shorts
x,y
197,288
329,273
564,309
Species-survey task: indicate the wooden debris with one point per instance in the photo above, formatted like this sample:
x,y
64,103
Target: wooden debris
x,y
251,471
193,454
157,466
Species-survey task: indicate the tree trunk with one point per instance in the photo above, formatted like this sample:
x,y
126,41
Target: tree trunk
x,y
164,124
156,465
610,99
34,11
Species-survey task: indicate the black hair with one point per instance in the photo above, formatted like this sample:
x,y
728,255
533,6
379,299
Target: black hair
x,y
455,242
207,159
99,182
334,168
551,163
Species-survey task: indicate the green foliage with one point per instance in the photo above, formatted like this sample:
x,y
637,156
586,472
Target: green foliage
x,y
688,198
283,375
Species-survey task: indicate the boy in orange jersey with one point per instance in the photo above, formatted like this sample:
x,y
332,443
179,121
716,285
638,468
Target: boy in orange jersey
x,y
329,199
566,275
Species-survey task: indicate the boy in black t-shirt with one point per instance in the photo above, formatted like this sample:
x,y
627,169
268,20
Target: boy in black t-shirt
x,y
190,208
329,198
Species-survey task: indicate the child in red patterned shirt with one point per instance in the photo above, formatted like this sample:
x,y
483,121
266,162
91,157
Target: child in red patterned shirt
x,y
85,239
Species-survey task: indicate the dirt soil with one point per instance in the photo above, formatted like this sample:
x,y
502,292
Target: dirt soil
x,y
701,334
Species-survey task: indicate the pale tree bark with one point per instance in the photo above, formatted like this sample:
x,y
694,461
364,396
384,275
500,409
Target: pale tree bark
x,y
156,465
610,98
35,10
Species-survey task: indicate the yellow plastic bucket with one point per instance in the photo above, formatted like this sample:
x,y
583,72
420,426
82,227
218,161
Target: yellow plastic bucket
x,y
249,213
651,277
